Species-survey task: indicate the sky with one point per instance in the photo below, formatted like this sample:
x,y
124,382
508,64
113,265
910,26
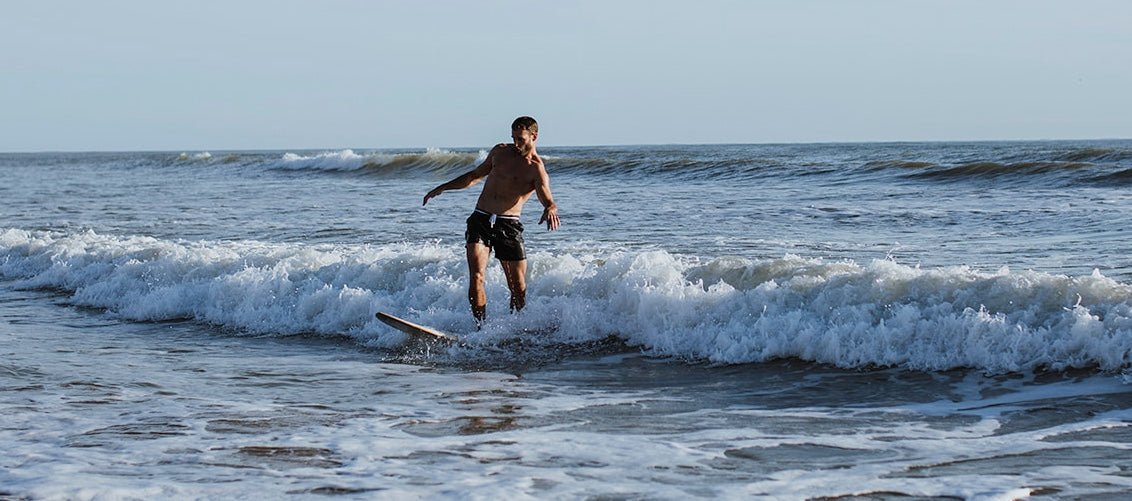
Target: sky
x,y
124,75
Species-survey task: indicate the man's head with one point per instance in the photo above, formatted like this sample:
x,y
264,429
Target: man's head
x,y
524,131
525,123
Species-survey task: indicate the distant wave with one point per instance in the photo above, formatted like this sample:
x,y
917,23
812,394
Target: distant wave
x,y
205,157
898,164
438,161
432,160
444,162
1097,155
1045,165
994,169
429,161
1119,178
726,310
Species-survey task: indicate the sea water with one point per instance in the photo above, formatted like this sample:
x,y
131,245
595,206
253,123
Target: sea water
x,y
851,321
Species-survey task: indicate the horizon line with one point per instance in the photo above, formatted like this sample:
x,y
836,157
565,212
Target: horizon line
x,y
608,145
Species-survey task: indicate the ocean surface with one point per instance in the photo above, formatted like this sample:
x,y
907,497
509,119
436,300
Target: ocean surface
x,y
826,321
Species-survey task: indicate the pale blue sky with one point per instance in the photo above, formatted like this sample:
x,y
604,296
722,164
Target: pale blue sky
x,y
279,74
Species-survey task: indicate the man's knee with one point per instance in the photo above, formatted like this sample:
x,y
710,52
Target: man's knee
x,y
477,277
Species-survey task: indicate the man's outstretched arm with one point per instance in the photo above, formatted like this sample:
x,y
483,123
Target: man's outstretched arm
x,y
465,180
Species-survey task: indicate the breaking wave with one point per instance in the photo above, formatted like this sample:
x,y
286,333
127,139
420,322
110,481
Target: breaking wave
x,y
725,310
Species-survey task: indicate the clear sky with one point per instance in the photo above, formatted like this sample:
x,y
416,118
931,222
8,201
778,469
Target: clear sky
x,y
283,74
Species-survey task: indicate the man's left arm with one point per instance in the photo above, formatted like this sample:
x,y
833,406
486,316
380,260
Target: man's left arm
x,y
550,209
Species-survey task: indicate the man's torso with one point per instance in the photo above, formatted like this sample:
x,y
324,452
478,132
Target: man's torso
x,y
510,183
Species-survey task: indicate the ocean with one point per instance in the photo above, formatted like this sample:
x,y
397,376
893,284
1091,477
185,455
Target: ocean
x,y
810,321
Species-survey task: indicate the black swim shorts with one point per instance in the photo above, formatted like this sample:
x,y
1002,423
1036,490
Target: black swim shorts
x,y
504,234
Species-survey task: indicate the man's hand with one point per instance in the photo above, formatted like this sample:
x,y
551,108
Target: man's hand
x,y
435,191
550,217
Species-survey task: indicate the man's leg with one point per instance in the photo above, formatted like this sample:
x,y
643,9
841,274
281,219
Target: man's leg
x,y
516,273
478,255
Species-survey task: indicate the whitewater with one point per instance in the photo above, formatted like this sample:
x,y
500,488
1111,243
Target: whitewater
x,y
856,321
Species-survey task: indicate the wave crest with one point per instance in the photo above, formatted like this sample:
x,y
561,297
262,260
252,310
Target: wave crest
x,y
1097,155
432,160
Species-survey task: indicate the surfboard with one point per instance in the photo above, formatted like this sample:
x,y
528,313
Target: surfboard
x,y
414,329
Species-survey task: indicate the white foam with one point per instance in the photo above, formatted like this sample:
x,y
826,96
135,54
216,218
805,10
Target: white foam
x,y
332,160
726,310
91,413
202,156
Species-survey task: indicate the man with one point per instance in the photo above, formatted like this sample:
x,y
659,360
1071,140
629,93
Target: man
x,y
514,172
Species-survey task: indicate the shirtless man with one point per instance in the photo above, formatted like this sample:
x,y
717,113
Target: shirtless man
x,y
514,172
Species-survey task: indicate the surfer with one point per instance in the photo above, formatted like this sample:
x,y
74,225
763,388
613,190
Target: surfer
x,y
513,173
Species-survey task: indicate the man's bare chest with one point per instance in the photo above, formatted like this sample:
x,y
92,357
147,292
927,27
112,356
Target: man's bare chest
x,y
516,172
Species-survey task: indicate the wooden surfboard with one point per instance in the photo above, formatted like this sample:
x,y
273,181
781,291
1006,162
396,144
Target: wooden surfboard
x,y
413,329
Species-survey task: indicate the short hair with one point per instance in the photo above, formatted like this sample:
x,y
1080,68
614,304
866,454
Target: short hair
x,y
525,123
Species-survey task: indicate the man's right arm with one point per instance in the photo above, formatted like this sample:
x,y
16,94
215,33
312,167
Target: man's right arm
x,y
468,179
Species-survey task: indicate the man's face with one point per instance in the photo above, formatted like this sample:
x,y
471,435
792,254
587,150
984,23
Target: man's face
x,y
523,139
